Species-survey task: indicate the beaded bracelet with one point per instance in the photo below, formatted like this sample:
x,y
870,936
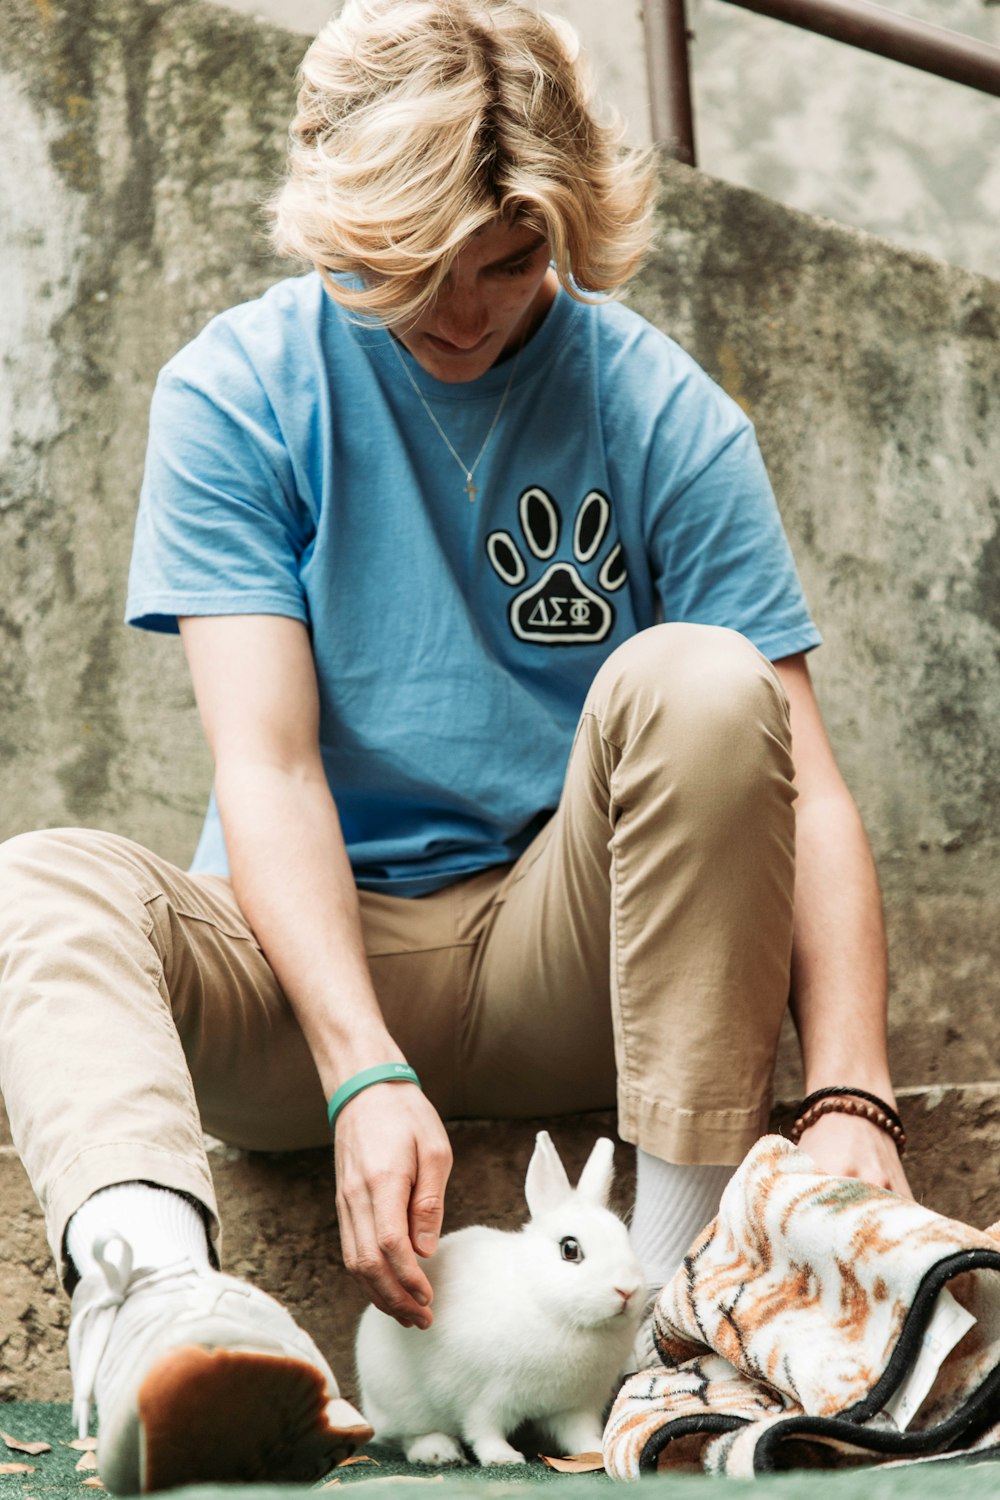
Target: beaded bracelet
x,y
849,1101
839,1090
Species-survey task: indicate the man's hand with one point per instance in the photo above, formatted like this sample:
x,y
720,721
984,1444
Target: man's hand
x,y
849,1146
393,1158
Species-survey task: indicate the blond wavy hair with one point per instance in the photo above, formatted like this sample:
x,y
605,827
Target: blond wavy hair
x,y
421,121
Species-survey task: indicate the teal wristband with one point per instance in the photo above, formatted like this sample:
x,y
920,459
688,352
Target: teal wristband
x,y
381,1073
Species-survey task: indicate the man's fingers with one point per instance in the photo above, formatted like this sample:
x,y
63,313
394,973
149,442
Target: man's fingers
x,y
384,1289
847,1146
377,1250
390,1202
348,1242
897,1180
426,1207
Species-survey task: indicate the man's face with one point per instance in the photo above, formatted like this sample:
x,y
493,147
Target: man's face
x,y
497,292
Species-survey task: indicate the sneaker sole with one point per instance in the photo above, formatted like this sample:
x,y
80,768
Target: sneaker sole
x,y
221,1414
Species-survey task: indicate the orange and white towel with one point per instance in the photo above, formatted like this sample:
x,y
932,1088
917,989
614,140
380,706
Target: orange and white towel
x,y
817,1321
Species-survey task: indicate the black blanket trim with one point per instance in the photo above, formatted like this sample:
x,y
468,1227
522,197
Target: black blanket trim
x,y
917,1319
710,1424
979,1412
846,1428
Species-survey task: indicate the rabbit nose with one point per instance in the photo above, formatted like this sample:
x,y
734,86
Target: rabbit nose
x,y
625,1295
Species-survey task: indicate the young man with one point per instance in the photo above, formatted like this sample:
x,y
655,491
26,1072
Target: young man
x,y
485,837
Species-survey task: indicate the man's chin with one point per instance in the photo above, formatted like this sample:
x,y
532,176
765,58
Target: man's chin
x,y
450,369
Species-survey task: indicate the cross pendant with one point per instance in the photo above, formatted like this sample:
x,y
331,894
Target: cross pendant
x,y
470,489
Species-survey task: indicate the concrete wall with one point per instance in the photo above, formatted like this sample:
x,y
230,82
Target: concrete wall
x,y
135,141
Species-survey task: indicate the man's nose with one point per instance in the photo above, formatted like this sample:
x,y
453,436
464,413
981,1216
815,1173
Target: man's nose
x,y
461,319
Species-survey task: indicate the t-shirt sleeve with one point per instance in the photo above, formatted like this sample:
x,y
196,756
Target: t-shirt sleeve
x,y
221,528
715,539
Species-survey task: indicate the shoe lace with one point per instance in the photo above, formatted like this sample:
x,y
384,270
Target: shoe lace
x,y
95,1306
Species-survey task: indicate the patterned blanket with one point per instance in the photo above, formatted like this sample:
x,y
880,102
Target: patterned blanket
x,y
817,1322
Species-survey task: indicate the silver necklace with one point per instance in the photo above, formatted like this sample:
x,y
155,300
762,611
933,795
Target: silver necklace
x,y
469,470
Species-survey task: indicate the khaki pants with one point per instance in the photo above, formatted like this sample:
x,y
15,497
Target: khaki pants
x,y
638,953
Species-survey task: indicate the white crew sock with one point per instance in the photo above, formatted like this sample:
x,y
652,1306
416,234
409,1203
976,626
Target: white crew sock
x,y
160,1226
672,1203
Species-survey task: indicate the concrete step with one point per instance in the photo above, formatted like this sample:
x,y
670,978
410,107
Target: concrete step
x,y
280,1221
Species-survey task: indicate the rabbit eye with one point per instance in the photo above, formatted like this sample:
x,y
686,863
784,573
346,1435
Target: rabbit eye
x,y
570,1249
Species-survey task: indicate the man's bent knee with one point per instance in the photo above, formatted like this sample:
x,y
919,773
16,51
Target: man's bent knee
x,y
703,674
42,869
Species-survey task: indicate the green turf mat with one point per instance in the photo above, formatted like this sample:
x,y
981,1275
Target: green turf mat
x,y
55,1477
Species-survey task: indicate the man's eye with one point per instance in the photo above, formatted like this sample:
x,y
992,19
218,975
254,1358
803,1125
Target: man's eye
x,y
518,267
569,1249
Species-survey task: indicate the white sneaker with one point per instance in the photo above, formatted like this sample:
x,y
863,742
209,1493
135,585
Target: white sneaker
x,y
199,1377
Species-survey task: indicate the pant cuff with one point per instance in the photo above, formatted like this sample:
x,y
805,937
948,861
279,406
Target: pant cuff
x,y
691,1137
99,1167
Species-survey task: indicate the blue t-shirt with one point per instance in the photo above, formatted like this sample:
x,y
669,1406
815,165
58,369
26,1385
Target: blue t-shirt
x,y
293,470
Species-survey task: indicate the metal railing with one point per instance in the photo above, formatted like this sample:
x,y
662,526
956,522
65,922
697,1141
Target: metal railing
x,y
933,49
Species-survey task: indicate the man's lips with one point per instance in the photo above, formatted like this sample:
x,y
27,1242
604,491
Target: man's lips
x,y
443,346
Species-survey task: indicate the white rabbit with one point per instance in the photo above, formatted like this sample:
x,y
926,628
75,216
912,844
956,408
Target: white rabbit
x,y
534,1324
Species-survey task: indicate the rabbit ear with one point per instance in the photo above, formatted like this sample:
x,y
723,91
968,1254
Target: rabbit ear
x,y
546,1184
595,1179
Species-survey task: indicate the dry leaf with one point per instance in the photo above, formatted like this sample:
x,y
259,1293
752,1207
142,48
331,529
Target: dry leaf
x,y
88,1460
17,1446
359,1458
87,1444
331,1484
17,1468
575,1463
93,1483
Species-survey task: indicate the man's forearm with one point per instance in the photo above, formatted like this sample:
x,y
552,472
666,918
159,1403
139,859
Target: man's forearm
x,y
294,883
839,968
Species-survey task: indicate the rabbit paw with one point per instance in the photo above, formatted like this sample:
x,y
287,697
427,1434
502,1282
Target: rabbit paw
x,y
496,1450
435,1449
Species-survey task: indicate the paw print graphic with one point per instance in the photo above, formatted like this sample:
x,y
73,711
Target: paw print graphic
x,y
560,609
